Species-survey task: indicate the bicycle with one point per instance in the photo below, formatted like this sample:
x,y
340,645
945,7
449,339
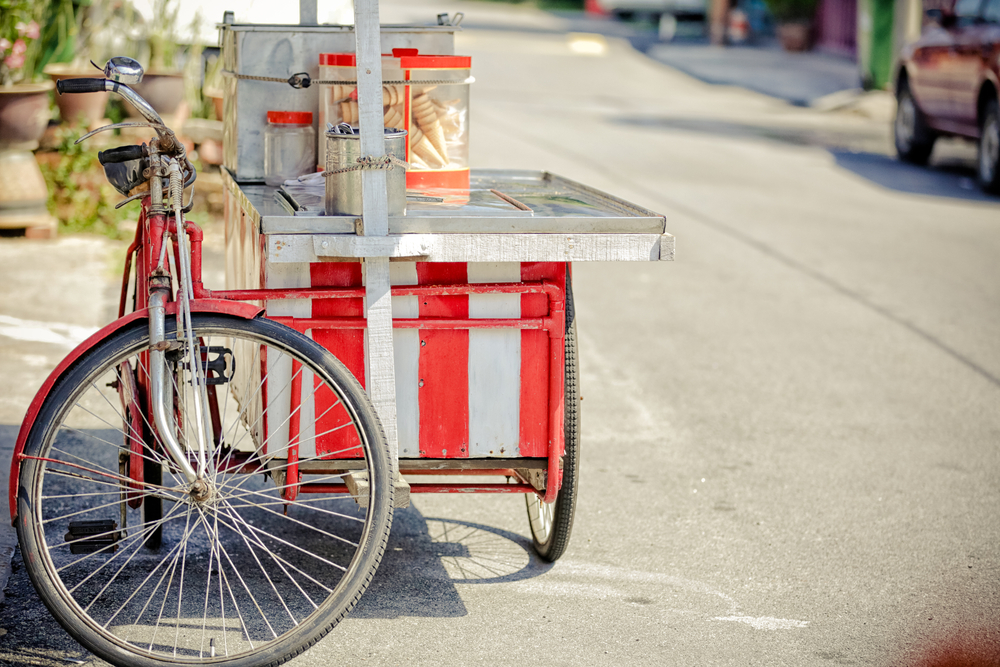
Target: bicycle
x,y
156,505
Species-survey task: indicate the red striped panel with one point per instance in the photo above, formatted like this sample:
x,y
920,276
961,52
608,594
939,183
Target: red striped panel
x,y
345,344
534,427
444,367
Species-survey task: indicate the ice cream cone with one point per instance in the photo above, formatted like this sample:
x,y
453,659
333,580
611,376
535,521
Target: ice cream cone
x,y
392,95
425,114
424,149
394,117
349,112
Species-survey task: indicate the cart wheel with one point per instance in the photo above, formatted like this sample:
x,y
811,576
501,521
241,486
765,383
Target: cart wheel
x,y
243,576
551,523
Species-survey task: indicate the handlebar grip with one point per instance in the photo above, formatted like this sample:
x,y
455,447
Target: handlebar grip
x,y
120,154
80,86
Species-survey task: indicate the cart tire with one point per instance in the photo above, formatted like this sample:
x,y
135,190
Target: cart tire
x,y
552,523
243,576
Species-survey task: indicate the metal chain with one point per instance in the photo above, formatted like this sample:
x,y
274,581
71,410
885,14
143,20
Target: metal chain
x,y
371,163
303,80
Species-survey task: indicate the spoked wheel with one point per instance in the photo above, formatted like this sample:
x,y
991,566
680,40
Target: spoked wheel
x,y
244,575
551,523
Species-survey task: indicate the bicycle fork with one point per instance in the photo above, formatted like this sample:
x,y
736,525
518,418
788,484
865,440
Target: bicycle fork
x,y
162,388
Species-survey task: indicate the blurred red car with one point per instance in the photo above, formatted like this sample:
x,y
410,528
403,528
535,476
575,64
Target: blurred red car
x,y
947,85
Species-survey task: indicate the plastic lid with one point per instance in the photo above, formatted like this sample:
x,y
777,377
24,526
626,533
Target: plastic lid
x,y
408,59
337,59
290,117
434,62
347,59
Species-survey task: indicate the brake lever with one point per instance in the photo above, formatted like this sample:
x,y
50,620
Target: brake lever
x,y
118,126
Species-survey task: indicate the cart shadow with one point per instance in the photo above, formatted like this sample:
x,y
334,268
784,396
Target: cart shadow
x,y
427,558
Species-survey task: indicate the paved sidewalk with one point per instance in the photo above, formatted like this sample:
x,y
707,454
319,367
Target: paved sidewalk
x,y
799,78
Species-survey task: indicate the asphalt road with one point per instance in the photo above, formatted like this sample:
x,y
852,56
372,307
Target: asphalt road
x,y
791,442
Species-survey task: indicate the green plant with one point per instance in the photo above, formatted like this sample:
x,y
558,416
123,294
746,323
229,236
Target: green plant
x,y
60,30
79,195
162,36
785,11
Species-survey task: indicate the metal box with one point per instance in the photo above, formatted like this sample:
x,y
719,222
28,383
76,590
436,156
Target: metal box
x,y
279,51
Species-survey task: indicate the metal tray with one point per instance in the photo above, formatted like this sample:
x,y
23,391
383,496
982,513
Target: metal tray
x,y
498,202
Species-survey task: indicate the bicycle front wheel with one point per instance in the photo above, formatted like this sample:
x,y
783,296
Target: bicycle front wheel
x,y
247,569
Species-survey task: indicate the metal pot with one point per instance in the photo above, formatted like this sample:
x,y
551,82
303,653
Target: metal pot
x,y
343,190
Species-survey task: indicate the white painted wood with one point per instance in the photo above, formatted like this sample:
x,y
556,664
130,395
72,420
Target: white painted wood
x,y
418,222
279,373
307,12
381,382
277,276
369,72
494,365
406,349
482,247
379,351
287,275
370,246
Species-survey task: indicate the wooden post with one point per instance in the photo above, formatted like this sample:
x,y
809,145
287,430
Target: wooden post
x,y
307,12
375,222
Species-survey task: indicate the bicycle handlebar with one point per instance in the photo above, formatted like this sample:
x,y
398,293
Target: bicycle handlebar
x,y
121,154
80,86
101,85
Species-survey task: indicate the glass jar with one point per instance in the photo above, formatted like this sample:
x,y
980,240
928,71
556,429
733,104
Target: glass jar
x,y
289,146
426,95
438,140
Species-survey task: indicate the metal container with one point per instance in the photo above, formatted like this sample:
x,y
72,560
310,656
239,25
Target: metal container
x,y
279,51
343,190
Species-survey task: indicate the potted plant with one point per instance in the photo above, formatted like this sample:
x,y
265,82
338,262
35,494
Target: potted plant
x,y
794,19
163,83
24,95
24,115
71,47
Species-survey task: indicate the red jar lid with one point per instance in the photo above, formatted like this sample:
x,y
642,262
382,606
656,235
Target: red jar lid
x,y
413,61
290,117
337,59
408,59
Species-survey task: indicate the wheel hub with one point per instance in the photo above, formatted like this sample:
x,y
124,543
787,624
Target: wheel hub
x,y
202,491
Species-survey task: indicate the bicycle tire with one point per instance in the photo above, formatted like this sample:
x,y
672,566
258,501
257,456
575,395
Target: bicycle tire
x,y
552,523
237,581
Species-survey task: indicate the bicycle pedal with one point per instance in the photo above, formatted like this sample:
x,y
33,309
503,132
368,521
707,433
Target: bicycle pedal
x,y
215,368
87,537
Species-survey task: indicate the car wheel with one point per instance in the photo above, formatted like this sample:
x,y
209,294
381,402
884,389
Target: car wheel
x,y
914,140
988,163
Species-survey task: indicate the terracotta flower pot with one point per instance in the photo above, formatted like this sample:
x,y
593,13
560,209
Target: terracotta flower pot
x,y
86,106
24,114
163,91
795,35
23,194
